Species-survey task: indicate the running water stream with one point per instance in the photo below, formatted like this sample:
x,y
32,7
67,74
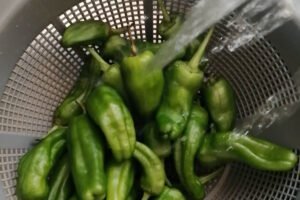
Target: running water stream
x,y
251,19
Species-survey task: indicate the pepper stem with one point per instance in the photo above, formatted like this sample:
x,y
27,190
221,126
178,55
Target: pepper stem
x,y
208,177
132,44
146,196
81,106
194,62
103,64
164,11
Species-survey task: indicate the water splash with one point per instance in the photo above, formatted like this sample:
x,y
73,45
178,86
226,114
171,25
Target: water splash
x,y
254,20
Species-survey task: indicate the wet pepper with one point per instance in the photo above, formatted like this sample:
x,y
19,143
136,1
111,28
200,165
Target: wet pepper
x,y
61,185
183,80
226,147
111,74
116,48
106,107
144,83
153,177
120,179
186,150
86,151
155,142
34,168
220,102
72,104
88,32
170,194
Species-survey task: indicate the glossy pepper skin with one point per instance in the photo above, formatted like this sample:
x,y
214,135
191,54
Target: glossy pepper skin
x,y
35,166
226,147
183,80
170,194
170,24
86,151
144,83
153,177
88,32
120,179
186,150
72,104
111,74
117,48
106,107
61,186
152,138
220,102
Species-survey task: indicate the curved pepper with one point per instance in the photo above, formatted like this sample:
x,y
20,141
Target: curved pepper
x,y
170,24
227,147
107,109
153,177
60,181
111,73
86,152
120,179
88,32
170,194
186,150
35,166
220,102
183,80
72,104
153,140
144,83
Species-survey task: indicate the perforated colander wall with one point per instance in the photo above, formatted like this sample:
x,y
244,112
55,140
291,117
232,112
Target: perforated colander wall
x,y
46,72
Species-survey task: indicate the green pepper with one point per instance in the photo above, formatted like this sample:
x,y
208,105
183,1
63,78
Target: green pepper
x,y
183,80
88,32
226,147
186,150
170,24
120,179
86,151
72,104
117,48
107,109
111,73
61,185
220,102
36,164
155,142
153,177
170,194
144,83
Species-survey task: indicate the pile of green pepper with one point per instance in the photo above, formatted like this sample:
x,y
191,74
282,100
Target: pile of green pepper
x,y
114,132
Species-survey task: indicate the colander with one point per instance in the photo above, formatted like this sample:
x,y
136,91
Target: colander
x,y
37,72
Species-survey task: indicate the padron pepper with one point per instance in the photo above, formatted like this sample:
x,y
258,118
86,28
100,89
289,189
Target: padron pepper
x,y
111,74
72,104
183,80
170,23
144,83
220,102
170,194
86,151
120,179
116,48
88,32
106,107
186,149
226,147
153,176
61,186
152,138
36,165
